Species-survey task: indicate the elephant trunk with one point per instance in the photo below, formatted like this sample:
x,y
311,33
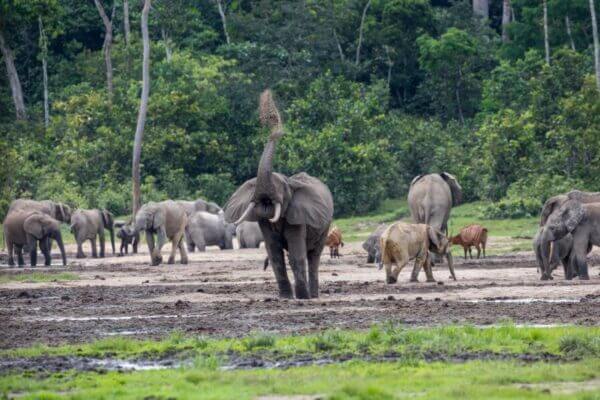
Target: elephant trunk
x,y
450,264
546,251
111,230
61,246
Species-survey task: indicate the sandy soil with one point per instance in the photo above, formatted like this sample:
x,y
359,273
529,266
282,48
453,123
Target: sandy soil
x,y
227,293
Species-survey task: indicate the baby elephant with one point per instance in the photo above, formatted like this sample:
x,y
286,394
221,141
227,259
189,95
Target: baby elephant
x,y
334,241
127,238
249,235
27,228
206,229
402,242
469,236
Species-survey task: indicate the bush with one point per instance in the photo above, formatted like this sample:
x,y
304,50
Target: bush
x,y
512,208
215,187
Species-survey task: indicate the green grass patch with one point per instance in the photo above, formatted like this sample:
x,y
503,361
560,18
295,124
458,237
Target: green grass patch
x,y
379,340
352,380
34,277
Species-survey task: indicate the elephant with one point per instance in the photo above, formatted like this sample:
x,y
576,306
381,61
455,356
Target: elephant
x,y
294,213
249,235
206,229
27,228
58,211
126,239
561,250
582,221
167,220
89,224
554,214
192,207
430,199
402,242
371,245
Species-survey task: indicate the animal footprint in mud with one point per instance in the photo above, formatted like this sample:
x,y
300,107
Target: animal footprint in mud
x,y
182,304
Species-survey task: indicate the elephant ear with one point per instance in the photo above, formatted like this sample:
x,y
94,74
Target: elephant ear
x,y
455,187
34,225
107,218
416,179
158,219
566,219
551,205
239,200
311,202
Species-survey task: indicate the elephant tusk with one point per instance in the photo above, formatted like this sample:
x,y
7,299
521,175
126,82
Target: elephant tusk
x,y
277,213
245,214
550,253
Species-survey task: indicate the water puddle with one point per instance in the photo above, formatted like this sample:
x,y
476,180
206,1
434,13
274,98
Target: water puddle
x,y
127,333
526,300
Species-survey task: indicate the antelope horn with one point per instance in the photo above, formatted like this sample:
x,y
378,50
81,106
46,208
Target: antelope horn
x,y
277,213
245,214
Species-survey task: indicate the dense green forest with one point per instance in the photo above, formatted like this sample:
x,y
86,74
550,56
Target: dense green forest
x,y
372,92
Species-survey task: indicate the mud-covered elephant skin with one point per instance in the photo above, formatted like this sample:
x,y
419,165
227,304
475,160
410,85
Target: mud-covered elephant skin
x,y
294,213
206,229
90,225
430,199
166,220
193,206
27,228
249,235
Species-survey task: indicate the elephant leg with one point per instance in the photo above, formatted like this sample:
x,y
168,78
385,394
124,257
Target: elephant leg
x,y
414,276
427,266
579,253
155,256
314,259
277,261
45,252
134,245
102,243
80,253
183,252
32,244
370,259
94,250
177,239
10,249
296,240
20,260
189,241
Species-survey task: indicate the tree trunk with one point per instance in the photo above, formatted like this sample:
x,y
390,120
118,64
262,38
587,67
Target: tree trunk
x,y
141,121
107,46
546,40
165,39
568,25
221,8
126,26
339,46
505,20
390,65
481,8
13,78
457,94
360,31
596,44
44,50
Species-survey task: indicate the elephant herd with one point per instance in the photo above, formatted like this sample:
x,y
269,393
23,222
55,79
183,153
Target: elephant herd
x,y
293,214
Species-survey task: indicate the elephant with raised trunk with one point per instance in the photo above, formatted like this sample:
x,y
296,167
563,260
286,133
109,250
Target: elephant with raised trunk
x,y
206,229
560,216
430,199
166,220
294,213
27,228
192,207
89,225
582,221
249,235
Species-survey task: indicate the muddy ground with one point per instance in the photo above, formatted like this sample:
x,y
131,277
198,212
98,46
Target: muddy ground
x,y
227,293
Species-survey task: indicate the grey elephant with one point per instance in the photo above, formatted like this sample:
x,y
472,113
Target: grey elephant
x,y
563,221
166,220
371,245
89,225
126,239
193,206
249,235
430,199
582,221
294,213
560,253
27,228
206,229
58,211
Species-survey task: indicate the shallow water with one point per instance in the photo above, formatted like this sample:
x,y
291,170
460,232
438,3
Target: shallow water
x,y
526,300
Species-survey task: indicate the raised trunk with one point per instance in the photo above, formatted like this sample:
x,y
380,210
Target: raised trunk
x,y
546,39
44,51
107,46
481,8
360,31
141,121
569,34
13,78
505,20
596,44
223,19
264,182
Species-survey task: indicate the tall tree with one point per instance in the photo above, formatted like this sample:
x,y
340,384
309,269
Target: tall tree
x,y
361,31
222,7
596,44
506,9
569,33
141,121
126,27
107,46
546,39
481,8
44,56
13,76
